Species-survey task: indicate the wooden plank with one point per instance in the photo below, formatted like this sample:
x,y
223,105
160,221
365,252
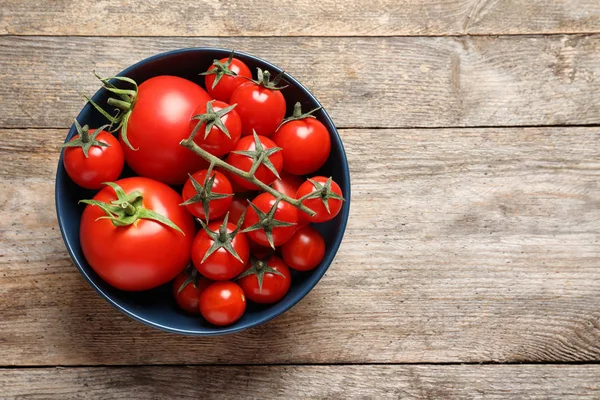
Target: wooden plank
x,y
303,382
298,18
362,82
463,245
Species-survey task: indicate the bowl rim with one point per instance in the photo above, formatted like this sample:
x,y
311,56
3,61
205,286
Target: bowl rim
x,y
310,283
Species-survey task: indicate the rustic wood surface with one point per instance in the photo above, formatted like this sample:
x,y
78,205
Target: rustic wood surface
x,y
474,234
560,382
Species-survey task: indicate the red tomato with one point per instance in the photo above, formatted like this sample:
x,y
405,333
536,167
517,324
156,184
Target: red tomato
x,y
214,195
222,303
260,105
145,254
252,147
330,196
224,76
213,254
259,251
266,282
305,142
260,229
217,115
237,208
287,184
91,159
305,250
187,288
159,121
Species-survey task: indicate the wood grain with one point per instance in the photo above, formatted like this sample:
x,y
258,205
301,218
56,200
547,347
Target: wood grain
x,y
297,18
561,382
371,82
463,245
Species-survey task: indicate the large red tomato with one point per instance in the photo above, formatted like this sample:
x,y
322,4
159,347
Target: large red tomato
x,y
224,124
327,201
142,253
91,159
219,253
260,105
222,303
250,149
224,76
160,120
305,142
270,231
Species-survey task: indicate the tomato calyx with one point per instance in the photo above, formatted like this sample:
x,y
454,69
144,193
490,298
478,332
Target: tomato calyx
x,y
124,101
222,239
192,277
204,193
264,79
324,192
267,221
298,115
127,209
212,118
260,156
85,140
259,268
220,69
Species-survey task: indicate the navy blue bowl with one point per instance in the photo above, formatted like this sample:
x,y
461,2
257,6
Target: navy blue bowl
x,y
157,307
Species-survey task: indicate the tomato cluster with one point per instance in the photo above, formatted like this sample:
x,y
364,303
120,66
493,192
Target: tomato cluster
x,y
224,156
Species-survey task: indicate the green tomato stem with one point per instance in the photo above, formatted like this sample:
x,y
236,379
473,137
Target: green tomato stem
x,y
191,145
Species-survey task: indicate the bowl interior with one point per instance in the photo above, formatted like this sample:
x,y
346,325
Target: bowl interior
x,y
157,307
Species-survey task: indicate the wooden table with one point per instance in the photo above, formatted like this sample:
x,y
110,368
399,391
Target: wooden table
x,y
471,263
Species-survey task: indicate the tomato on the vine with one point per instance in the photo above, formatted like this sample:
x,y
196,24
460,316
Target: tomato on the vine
x,y
260,104
218,127
224,76
222,303
187,288
266,282
305,250
91,159
270,222
326,200
154,119
220,251
287,183
305,143
135,235
212,195
250,149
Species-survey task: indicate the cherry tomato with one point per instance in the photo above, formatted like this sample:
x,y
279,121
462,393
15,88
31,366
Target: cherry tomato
x,y
217,115
222,303
160,120
288,184
305,142
93,158
232,72
217,194
147,253
259,251
333,197
187,288
305,250
266,282
244,162
220,264
260,230
237,208
260,105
